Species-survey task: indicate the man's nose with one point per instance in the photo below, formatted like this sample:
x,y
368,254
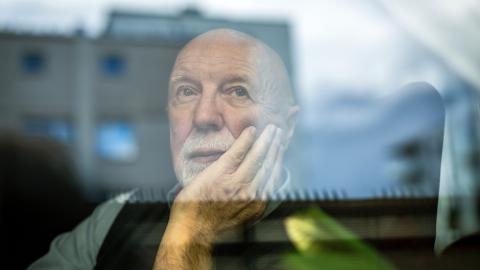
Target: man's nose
x,y
208,115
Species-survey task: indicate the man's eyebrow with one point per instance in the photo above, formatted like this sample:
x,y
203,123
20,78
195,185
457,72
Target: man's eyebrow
x,y
235,79
183,78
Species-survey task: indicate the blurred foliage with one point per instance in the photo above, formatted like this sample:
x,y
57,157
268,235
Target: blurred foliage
x,y
322,243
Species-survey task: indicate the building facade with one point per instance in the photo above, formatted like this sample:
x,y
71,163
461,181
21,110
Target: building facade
x,y
105,97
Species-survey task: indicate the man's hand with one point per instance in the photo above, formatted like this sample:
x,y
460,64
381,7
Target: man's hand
x,y
227,193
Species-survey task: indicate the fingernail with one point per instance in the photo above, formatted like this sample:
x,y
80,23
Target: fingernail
x,y
280,131
252,130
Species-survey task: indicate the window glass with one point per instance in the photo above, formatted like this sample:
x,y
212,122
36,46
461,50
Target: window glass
x,y
116,141
43,127
113,65
32,62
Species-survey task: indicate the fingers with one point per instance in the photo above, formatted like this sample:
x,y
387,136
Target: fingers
x,y
268,164
235,155
273,182
255,157
269,174
248,164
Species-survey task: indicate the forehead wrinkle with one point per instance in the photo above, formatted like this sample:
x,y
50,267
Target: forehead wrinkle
x,y
239,54
234,78
197,69
213,60
214,49
183,78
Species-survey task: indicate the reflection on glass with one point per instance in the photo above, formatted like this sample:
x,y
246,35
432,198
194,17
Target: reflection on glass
x,y
42,127
116,141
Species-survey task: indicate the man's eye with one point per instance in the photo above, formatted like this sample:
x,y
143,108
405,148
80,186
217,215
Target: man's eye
x,y
186,91
240,92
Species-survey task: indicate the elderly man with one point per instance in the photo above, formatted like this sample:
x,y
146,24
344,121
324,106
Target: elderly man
x,y
231,115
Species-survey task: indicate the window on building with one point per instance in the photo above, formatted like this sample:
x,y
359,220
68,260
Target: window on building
x,y
116,141
52,128
33,62
113,65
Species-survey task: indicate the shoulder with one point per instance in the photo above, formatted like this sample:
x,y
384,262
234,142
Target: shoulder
x,y
78,248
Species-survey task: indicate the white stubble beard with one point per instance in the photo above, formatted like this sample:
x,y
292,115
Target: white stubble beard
x,y
188,169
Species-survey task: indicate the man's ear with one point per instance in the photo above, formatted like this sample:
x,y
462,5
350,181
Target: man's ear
x,y
291,123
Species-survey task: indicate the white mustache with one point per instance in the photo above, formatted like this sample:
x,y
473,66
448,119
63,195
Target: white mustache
x,y
198,141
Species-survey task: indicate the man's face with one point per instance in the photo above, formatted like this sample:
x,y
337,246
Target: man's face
x,y
216,91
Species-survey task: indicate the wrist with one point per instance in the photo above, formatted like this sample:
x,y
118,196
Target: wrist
x,y
187,227
181,248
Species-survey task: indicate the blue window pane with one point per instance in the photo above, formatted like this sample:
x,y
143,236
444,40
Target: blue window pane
x,y
56,129
33,62
113,65
116,141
